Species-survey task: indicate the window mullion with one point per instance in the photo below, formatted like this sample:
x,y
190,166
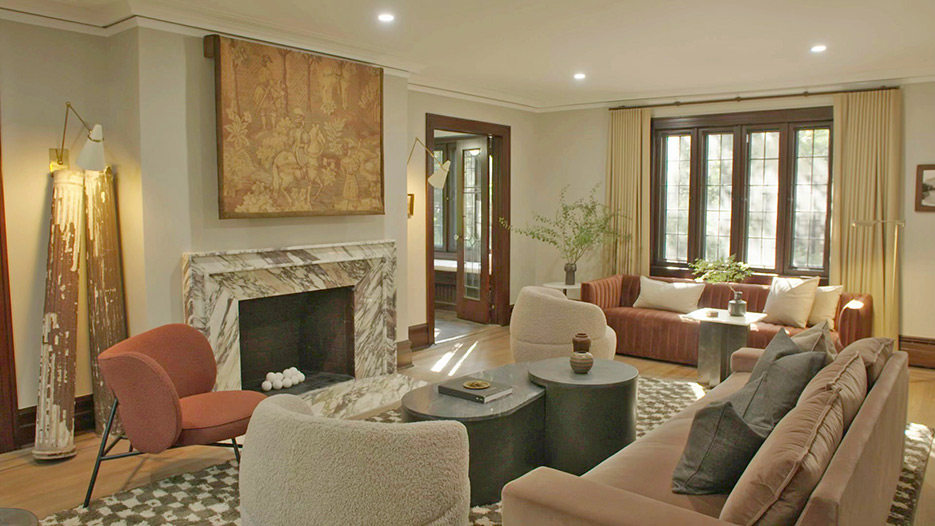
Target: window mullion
x,y
739,194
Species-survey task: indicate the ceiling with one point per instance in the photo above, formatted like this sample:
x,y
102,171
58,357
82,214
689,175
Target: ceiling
x,y
526,51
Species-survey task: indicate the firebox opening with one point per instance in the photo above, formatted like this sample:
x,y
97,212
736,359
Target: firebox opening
x,y
312,331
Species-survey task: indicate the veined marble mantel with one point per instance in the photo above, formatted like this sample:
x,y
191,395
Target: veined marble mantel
x,y
214,283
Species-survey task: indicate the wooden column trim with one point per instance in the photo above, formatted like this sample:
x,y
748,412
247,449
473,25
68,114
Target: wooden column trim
x,y
8,398
921,350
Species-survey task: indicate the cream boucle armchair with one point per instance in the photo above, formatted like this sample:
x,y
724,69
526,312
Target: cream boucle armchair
x,y
544,322
299,469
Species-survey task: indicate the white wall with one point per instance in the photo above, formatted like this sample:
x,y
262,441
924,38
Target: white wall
x,y
524,178
40,69
154,93
572,152
918,238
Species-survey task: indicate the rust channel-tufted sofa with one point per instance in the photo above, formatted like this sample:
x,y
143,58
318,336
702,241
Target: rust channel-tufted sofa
x,y
665,335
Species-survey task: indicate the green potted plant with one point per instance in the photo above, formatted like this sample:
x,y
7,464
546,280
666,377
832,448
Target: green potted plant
x,y
724,270
721,270
576,228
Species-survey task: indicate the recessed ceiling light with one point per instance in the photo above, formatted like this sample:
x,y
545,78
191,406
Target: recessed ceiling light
x,y
818,48
580,76
386,17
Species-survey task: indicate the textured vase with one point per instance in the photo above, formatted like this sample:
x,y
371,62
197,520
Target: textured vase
x,y
570,269
581,358
737,306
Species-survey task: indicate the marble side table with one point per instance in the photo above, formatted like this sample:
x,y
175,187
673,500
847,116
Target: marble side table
x,y
718,337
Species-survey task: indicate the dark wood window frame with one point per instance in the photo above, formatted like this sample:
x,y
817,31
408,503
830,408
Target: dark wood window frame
x,y
787,122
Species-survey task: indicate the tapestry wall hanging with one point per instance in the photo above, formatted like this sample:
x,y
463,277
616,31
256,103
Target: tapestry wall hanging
x,y
298,134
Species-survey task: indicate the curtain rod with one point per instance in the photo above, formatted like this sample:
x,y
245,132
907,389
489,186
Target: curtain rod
x,y
756,97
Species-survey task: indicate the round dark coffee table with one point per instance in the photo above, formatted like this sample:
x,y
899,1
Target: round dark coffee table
x,y
505,435
17,517
588,417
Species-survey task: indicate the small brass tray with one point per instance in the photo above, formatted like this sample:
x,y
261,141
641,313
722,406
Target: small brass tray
x,y
476,385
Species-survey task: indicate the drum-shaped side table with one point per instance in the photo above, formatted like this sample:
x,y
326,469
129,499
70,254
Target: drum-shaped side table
x,y
588,417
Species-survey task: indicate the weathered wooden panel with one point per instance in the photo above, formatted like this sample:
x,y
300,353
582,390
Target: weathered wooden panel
x,y
55,419
107,314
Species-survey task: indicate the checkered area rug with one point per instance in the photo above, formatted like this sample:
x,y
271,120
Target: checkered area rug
x,y
209,497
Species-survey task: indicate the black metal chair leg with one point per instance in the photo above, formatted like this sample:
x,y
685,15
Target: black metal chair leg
x,y
100,454
236,449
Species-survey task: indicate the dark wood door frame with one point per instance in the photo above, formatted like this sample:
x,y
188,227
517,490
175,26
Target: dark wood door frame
x,y
8,400
500,244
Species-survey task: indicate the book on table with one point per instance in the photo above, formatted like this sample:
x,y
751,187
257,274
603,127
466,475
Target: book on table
x,y
457,388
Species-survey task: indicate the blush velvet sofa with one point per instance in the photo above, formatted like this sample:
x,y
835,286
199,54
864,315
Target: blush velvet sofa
x,y
634,487
665,335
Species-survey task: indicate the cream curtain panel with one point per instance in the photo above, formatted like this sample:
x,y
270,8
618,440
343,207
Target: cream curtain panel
x,y
628,155
868,186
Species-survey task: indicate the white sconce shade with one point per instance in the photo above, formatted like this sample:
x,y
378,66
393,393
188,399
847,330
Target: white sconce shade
x,y
92,155
438,178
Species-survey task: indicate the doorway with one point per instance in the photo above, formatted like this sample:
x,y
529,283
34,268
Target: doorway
x,y
467,248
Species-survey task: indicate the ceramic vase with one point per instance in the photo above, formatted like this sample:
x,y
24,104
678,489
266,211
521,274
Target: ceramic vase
x,y
570,269
581,358
737,306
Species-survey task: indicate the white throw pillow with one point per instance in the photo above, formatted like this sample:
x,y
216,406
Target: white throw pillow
x,y
826,305
677,297
790,301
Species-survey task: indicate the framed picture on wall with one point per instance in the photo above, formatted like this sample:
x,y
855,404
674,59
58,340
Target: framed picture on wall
x,y
298,134
925,188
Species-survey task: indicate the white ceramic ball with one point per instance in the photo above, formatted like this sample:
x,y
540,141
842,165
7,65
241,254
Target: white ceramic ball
x,y
293,370
266,385
279,376
277,384
287,383
270,376
301,377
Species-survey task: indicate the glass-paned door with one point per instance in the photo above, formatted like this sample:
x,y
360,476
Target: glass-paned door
x,y
474,235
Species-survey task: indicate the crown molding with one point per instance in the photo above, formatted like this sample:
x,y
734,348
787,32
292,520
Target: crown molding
x,y
190,19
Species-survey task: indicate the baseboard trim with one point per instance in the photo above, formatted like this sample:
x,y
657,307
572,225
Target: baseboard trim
x,y
921,350
26,420
403,354
419,336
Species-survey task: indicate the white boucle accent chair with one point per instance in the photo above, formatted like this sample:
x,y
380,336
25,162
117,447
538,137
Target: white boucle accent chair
x,y
298,469
544,322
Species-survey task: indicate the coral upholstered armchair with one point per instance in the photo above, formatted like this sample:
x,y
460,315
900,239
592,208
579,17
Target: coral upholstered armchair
x,y
163,381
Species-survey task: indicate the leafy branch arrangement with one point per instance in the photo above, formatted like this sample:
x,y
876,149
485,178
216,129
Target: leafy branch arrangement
x,y
721,270
576,227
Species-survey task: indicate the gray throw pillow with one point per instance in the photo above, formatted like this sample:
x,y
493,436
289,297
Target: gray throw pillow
x,y
725,435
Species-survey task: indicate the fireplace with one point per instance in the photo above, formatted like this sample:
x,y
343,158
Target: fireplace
x,y
215,284
312,331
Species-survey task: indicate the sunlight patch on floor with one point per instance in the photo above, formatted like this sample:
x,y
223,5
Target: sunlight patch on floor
x,y
458,365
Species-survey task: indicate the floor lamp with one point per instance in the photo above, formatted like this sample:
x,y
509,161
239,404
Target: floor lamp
x,y
897,223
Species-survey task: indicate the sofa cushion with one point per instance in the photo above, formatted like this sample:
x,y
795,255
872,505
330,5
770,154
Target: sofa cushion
x,y
848,376
790,301
645,467
725,435
874,352
825,307
779,480
654,333
817,338
676,297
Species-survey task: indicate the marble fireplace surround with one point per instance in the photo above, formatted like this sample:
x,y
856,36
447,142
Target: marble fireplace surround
x,y
214,283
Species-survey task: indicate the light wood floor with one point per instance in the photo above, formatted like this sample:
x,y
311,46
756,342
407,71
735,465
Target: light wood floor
x,y
50,487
